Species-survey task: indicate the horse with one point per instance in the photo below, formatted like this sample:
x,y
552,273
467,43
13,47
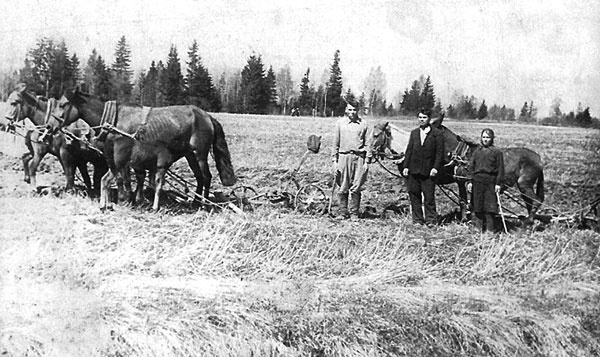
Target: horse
x,y
42,139
151,139
522,167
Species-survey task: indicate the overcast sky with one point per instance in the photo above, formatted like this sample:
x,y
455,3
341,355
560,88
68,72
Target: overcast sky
x,y
503,51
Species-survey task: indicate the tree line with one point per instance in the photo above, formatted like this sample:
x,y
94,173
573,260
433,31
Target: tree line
x,y
49,70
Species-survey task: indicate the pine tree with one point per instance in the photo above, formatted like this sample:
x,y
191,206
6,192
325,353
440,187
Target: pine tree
x,y
335,104
253,87
121,71
173,86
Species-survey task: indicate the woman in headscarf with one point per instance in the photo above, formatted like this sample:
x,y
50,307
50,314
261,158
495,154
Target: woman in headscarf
x,y
486,171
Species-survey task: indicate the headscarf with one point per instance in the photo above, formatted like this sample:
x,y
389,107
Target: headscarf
x,y
490,133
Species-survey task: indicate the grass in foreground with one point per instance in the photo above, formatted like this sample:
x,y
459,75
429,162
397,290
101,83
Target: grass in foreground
x,y
274,283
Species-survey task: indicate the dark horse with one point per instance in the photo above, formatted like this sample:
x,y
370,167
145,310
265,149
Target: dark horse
x,y
523,167
151,139
67,146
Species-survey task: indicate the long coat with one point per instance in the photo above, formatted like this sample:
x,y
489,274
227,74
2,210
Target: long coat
x,y
420,159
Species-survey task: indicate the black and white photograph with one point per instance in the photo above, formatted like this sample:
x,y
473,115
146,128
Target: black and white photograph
x,y
300,178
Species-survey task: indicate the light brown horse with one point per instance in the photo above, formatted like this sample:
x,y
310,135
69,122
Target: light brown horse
x,y
152,140
43,139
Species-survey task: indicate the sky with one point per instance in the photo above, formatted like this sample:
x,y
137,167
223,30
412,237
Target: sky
x,y
505,52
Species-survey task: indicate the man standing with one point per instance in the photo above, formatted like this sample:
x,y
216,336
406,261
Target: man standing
x,y
352,157
422,162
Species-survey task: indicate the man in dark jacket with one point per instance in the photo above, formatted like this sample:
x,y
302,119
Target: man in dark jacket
x,y
422,162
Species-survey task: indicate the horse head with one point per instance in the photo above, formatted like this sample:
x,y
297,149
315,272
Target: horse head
x,y
382,137
69,107
23,104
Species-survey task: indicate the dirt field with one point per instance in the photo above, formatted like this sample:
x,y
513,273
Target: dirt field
x,y
75,281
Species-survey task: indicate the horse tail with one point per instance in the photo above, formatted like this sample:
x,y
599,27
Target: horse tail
x,y
222,155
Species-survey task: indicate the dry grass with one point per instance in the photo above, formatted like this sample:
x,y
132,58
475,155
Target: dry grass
x,y
272,282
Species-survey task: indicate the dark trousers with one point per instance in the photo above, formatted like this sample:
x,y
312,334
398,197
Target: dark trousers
x,y
421,189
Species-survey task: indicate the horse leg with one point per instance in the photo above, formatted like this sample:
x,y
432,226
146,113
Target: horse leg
x,y
39,151
191,159
26,158
85,176
204,171
68,164
163,162
105,184
100,168
140,176
527,195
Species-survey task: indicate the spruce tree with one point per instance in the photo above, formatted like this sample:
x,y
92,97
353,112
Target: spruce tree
x,y
41,65
335,104
121,71
103,88
200,89
161,83
271,84
411,100
61,75
253,88
427,98
75,71
304,100
483,111
173,85
150,86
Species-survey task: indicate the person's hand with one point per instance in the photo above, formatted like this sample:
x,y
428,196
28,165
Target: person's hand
x,y
469,187
405,172
497,188
433,172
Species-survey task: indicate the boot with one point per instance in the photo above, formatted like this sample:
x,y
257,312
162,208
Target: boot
x,y
343,205
478,221
355,204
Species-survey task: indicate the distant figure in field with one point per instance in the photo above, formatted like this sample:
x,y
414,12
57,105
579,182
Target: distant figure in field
x,y
352,157
295,112
486,172
423,160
